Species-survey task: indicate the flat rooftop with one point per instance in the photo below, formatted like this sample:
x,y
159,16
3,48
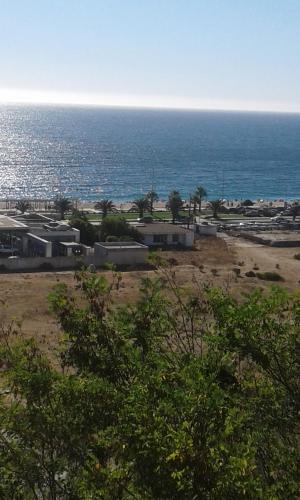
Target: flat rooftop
x,y
121,245
69,244
274,238
161,228
10,224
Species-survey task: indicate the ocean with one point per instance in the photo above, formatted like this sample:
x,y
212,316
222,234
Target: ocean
x,y
92,153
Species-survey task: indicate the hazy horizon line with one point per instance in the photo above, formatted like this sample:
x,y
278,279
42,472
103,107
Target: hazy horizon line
x,y
17,97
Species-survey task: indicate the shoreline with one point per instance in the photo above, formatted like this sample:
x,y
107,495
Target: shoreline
x,y
43,205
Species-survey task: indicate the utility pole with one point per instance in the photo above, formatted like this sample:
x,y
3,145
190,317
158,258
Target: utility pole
x,y
189,218
223,184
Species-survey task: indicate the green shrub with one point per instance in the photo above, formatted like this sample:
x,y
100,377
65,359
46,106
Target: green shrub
x,y
88,232
247,203
250,274
111,239
178,395
119,227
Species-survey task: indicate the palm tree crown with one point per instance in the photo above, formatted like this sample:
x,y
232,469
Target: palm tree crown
x,y
200,193
106,206
62,205
174,204
152,196
142,204
194,200
215,206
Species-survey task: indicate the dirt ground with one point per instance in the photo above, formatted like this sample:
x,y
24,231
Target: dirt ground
x,y
213,260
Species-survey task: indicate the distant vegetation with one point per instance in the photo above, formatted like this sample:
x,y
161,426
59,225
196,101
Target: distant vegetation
x,y
247,203
118,228
88,232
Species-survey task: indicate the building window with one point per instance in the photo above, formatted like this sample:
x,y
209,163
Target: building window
x,y
175,238
160,238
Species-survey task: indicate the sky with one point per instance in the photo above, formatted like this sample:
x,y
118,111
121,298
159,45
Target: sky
x,y
201,54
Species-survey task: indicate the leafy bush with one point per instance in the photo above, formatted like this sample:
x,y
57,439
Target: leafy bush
x,y
88,232
250,274
118,227
111,239
297,256
179,395
247,203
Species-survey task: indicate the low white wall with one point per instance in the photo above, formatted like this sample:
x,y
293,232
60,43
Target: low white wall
x,y
38,263
206,229
120,256
189,239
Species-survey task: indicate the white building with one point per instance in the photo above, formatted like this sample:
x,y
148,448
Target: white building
x,y
164,234
120,253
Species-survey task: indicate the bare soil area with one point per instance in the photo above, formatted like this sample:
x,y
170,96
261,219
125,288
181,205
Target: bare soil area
x,y
215,260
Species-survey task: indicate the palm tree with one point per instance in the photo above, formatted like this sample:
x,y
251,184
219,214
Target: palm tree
x,y
295,210
62,205
23,206
152,196
215,206
106,206
174,204
142,204
200,194
194,201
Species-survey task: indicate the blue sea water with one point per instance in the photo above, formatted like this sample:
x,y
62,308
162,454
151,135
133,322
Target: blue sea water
x,y
91,153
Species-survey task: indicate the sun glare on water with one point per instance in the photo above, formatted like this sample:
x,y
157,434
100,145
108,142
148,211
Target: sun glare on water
x,y
21,96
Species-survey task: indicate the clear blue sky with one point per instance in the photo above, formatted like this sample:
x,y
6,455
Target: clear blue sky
x,y
234,54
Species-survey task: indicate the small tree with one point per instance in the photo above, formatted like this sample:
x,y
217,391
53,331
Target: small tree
x,y
119,228
178,395
215,206
295,210
62,205
247,203
200,194
174,204
152,196
142,204
23,206
106,206
88,232
194,202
